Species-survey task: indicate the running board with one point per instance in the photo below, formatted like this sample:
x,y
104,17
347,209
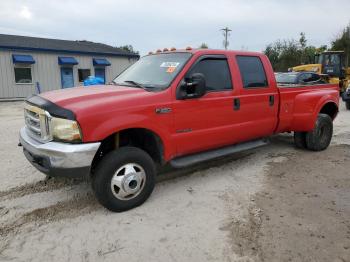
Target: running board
x,y
185,161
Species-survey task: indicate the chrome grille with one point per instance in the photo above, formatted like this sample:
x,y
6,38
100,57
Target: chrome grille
x,y
37,122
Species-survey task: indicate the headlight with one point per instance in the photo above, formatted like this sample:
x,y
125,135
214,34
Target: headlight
x,y
65,130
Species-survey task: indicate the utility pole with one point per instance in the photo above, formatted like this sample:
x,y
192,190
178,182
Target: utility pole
x,y
226,32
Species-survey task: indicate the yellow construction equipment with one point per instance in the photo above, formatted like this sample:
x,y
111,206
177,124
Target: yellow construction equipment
x,y
332,65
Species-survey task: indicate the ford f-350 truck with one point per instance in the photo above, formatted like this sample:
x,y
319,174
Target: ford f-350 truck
x,y
178,107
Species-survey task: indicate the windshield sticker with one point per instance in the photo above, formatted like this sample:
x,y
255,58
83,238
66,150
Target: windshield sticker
x,y
169,64
170,69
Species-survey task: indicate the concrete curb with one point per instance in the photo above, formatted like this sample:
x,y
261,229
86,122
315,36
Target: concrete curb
x,y
12,99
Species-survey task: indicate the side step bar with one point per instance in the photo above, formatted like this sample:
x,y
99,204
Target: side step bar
x,y
185,161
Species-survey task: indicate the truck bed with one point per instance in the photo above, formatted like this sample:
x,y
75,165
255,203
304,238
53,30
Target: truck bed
x,y
299,105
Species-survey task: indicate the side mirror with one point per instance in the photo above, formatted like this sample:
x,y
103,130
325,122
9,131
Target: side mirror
x,y
191,87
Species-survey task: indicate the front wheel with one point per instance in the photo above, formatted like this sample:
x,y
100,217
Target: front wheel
x,y
124,179
320,137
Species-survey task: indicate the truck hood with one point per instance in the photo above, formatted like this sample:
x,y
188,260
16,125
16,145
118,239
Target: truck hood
x,y
78,99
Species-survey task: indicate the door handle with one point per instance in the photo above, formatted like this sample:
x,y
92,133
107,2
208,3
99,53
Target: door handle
x,y
272,100
236,104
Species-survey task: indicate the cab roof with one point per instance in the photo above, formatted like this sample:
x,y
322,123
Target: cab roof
x,y
210,51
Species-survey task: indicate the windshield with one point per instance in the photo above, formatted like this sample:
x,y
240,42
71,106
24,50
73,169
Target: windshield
x,y
329,59
153,71
286,78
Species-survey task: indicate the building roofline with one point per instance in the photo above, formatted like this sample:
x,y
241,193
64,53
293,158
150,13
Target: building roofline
x,y
129,55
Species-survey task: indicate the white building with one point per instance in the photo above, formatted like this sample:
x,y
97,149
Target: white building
x,y
31,65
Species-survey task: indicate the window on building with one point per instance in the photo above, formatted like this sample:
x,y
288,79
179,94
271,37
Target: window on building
x,y
23,75
252,71
216,72
83,74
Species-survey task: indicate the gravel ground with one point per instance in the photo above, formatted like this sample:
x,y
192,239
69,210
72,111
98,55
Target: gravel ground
x,y
276,203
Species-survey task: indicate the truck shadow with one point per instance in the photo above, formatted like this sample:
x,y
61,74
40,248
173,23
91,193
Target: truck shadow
x,y
167,172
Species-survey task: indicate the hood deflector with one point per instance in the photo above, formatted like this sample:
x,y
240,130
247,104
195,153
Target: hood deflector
x,y
50,107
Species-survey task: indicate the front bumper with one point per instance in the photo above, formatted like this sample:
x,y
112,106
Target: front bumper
x,y
59,159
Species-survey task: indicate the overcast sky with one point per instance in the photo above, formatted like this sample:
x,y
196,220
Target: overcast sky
x,y
152,24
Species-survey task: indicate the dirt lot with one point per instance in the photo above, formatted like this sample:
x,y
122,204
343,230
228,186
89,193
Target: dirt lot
x,y
275,203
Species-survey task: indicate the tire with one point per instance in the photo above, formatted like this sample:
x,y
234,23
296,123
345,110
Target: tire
x,y
300,139
347,105
124,179
320,137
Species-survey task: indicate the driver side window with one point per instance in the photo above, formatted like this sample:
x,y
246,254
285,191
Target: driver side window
x,y
216,72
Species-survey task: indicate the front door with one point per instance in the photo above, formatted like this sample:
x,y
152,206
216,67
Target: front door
x,y
209,121
67,78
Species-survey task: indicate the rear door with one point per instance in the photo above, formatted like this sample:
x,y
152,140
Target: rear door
x,y
209,121
258,98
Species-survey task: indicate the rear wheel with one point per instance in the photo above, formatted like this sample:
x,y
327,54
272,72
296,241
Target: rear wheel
x,y
124,179
320,137
300,139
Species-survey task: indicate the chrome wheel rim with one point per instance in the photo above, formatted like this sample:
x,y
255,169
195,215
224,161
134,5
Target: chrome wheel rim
x,y
128,181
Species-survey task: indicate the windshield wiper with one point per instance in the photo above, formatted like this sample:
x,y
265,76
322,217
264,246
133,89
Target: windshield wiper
x,y
135,83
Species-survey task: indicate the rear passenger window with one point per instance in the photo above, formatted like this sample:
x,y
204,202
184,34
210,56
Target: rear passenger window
x,y
252,71
216,72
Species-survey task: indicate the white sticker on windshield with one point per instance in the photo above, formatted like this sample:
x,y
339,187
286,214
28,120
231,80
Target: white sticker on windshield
x,y
169,64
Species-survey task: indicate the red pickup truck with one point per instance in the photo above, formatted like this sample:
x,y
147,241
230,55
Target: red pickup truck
x,y
179,107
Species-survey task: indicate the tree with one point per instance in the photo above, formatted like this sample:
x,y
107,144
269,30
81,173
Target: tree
x,y
342,42
322,48
302,42
128,48
203,46
284,54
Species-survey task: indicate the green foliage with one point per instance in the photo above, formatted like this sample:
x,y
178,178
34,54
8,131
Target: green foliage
x,y
284,54
342,42
322,48
203,46
128,48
